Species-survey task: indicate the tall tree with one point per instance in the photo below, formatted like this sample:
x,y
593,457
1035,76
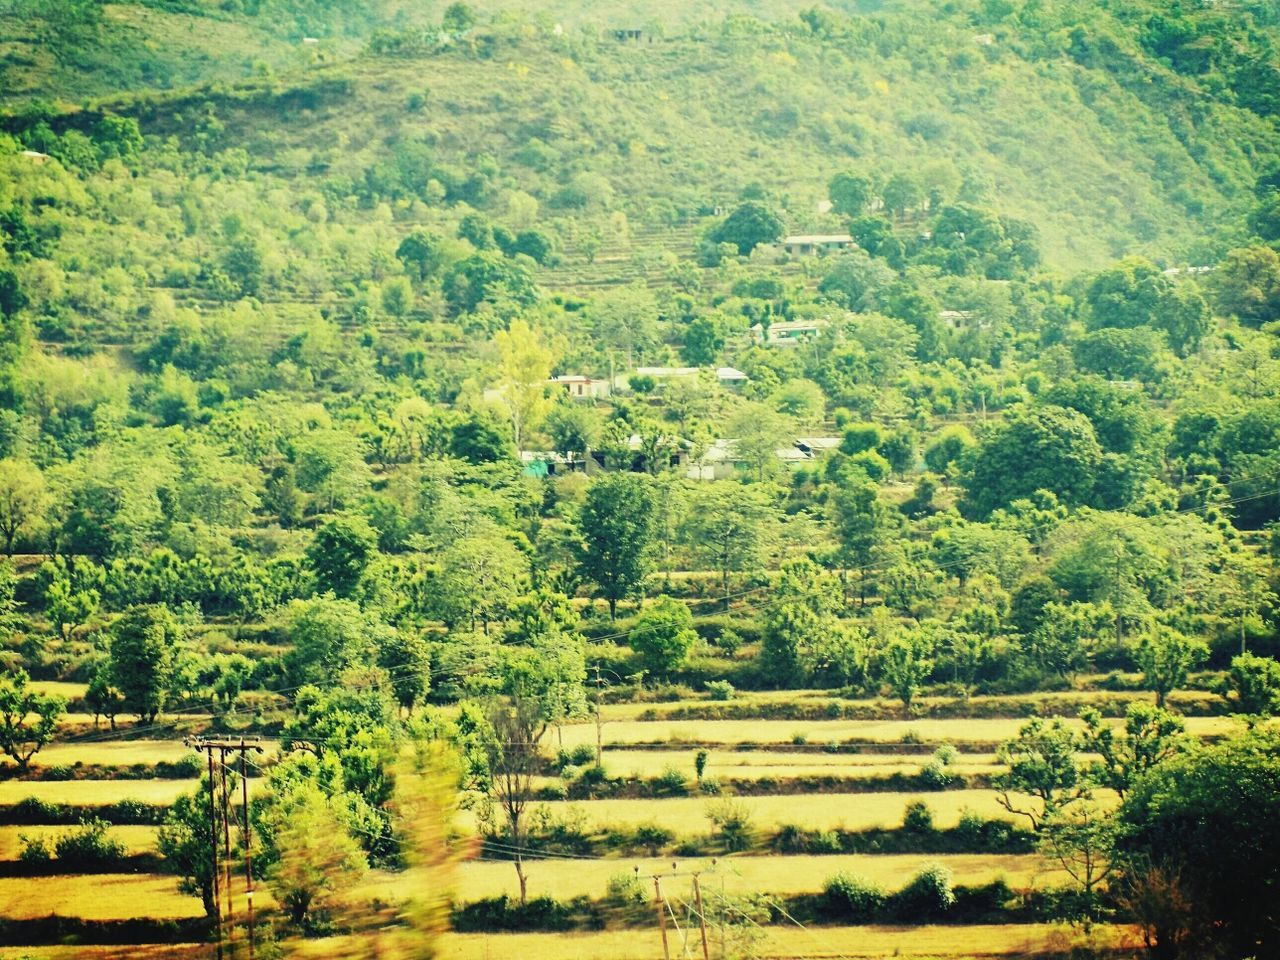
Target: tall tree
x,y
1044,448
144,647
616,525
340,553
23,500
862,524
749,225
729,528
1197,841
512,755
663,637
1166,657
524,365
1043,766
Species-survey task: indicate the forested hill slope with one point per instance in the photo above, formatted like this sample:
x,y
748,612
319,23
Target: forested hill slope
x,y
1113,130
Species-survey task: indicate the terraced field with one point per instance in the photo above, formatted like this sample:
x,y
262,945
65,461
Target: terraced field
x,y
820,775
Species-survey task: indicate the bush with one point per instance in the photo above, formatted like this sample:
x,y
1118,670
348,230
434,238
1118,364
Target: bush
x,y
851,899
671,783
653,837
710,787
89,845
929,896
825,841
625,887
583,755
34,850
918,818
733,825
720,689
934,775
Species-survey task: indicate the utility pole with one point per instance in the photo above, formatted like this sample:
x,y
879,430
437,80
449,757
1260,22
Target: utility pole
x,y
599,723
246,835
213,849
662,917
220,814
702,918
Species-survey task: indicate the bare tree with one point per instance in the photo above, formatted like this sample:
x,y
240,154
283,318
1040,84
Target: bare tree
x,y
517,724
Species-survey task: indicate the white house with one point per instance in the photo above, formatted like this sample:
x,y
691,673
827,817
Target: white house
x,y
35,156
580,387
726,376
785,333
805,245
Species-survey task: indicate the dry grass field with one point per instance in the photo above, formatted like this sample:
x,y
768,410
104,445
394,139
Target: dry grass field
x,y
93,793
741,874
136,839
775,943
766,763
854,811
917,943
96,896
124,896
810,698
985,731
122,753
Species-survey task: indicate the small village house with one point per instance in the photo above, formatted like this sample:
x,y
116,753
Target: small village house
x,y
580,387
785,333
807,245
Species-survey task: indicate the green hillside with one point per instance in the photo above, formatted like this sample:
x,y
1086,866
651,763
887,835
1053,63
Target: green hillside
x,y
831,452
1064,120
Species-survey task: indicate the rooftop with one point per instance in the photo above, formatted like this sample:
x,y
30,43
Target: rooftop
x,y
819,238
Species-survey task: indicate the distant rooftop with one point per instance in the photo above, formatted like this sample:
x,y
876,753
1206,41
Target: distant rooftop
x,y
819,238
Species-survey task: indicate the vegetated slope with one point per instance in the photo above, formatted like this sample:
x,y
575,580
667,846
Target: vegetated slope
x,y
1073,126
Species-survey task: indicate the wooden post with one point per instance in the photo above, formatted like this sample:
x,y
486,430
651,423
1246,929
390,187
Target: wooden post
x,y
213,831
226,851
248,856
662,917
702,919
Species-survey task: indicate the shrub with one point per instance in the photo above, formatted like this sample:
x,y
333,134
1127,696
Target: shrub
x,y
929,895
625,887
851,899
720,689
918,818
89,845
733,825
710,787
934,775
671,782
34,850
653,837
825,841
799,738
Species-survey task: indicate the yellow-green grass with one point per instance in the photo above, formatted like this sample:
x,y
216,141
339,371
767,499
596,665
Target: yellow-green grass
x,y
136,839
123,896
753,764
64,689
122,753
96,896
745,874
809,697
687,816
829,731
173,723
791,942
98,793
132,951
